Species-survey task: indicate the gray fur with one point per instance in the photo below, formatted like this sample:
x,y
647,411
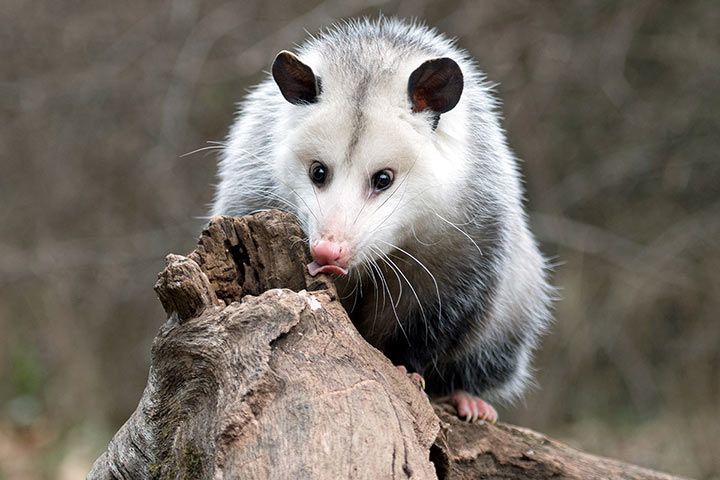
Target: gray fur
x,y
481,301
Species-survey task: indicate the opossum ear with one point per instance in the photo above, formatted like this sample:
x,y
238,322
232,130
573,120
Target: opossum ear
x,y
297,82
435,85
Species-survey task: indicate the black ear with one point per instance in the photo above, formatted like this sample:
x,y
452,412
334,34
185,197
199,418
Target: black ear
x,y
296,80
435,85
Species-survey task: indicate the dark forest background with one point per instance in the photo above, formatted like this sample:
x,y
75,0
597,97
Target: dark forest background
x,y
614,108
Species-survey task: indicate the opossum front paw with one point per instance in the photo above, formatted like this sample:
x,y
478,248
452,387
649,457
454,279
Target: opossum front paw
x,y
469,407
414,377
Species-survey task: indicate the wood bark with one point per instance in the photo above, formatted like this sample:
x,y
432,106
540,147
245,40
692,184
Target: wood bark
x,y
259,373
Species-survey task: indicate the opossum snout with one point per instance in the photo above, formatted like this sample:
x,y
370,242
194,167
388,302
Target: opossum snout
x,y
329,257
327,252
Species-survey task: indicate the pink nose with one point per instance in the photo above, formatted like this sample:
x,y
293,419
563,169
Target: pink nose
x,y
325,252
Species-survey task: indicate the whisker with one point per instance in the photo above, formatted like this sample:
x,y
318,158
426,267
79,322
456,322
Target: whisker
x,y
371,274
458,229
397,302
437,288
270,194
300,198
351,292
392,306
358,289
399,203
365,202
412,289
407,175
412,228
202,149
247,152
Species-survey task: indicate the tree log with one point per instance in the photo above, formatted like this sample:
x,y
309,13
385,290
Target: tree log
x,y
259,373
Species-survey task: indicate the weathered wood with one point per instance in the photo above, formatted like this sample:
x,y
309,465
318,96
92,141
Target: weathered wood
x,y
252,254
259,373
471,451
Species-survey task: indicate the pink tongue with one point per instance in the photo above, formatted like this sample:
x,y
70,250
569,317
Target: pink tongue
x,y
314,269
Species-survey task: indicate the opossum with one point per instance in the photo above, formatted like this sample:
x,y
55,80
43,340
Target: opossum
x,y
384,139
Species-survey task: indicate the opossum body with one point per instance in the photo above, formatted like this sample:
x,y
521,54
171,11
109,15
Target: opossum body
x,y
384,139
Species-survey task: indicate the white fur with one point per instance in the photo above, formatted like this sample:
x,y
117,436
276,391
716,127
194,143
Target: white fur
x,y
430,222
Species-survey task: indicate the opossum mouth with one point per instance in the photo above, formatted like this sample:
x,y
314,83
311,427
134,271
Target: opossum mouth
x,y
314,268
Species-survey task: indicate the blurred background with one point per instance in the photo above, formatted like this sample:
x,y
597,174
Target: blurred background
x,y
613,106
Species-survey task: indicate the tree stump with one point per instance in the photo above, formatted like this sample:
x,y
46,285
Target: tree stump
x,y
259,373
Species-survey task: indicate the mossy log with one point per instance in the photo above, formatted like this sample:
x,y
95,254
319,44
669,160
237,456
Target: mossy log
x,y
259,373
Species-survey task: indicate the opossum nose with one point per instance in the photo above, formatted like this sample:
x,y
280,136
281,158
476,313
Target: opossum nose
x,y
325,252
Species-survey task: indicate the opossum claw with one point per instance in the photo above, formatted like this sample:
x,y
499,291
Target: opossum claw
x,y
414,377
470,408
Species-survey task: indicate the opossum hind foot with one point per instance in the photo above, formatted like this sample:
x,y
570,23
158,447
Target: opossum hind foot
x,y
469,407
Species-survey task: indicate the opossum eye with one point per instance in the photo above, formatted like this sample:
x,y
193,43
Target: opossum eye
x,y
382,180
318,173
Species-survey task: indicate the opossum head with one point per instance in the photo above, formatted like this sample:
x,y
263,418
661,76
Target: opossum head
x,y
365,160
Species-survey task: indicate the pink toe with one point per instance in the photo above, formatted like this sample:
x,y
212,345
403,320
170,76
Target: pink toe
x,y
417,380
469,407
476,409
463,408
487,412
